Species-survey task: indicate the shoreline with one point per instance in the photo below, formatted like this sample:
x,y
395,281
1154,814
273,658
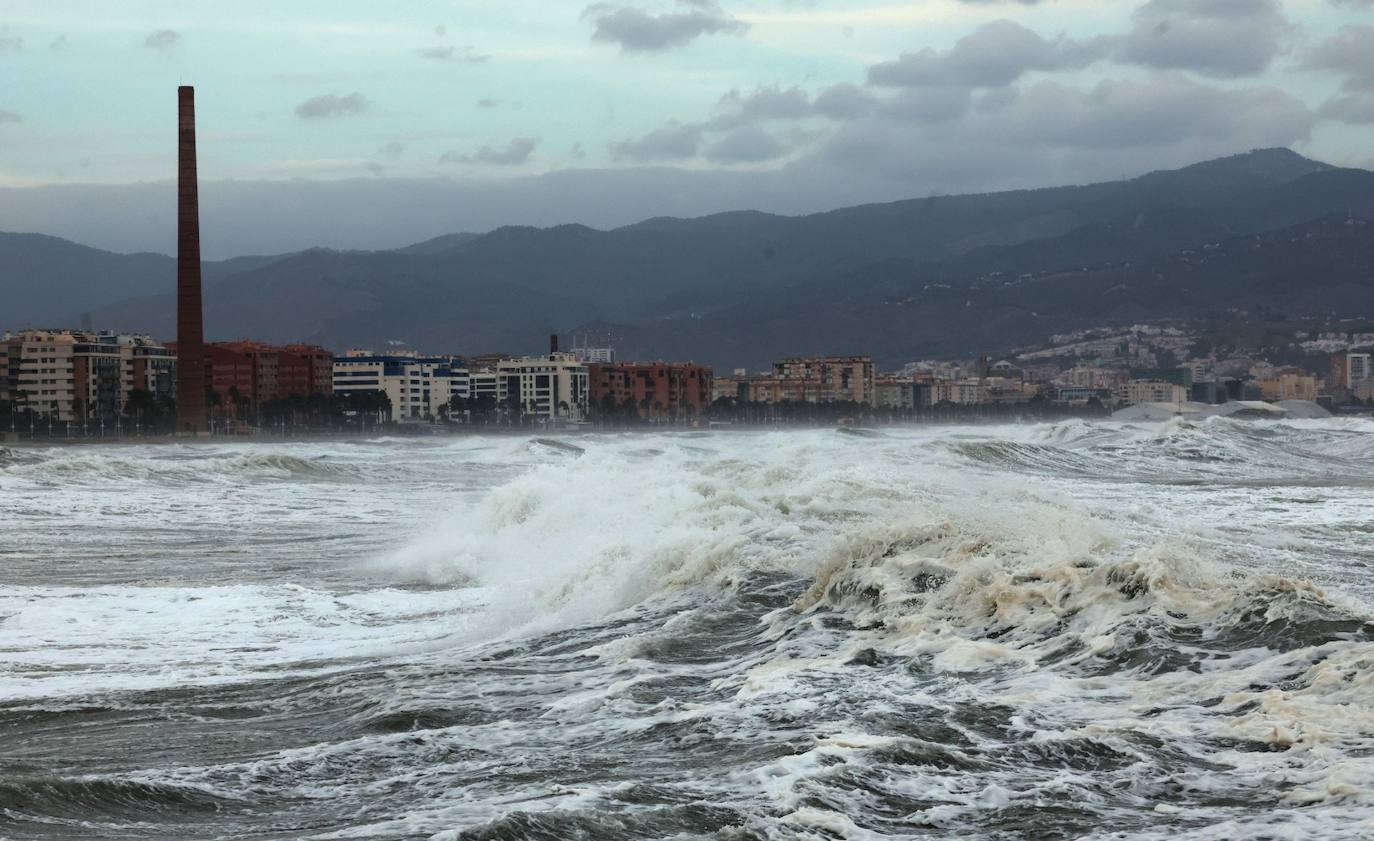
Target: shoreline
x,y
534,432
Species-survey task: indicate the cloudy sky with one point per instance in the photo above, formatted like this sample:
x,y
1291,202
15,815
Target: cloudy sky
x,y
353,123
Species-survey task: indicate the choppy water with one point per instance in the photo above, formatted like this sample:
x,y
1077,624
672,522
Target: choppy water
x,y
1058,631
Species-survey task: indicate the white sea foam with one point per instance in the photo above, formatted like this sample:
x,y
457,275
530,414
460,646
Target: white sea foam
x,y
799,633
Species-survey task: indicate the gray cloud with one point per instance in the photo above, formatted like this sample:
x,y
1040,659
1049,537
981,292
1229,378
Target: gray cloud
x,y
928,104
393,149
764,103
1214,37
9,117
457,55
637,30
59,43
332,105
749,144
1357,4
1350,52
1357,109
993,55
844,101
11,44
487,103
163,39
737,136
673,142
1166,117
514,153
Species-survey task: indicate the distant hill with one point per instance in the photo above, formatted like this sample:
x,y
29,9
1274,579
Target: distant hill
x,y
47,282
728,289
900,310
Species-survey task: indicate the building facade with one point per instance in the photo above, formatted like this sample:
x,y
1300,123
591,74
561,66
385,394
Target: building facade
x,y
241,376
657,391
76,375
1289,385
418,387
1133,392
827,379
544,387
894,392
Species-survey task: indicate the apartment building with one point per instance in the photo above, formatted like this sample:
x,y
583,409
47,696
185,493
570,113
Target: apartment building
x,y
74,375
656,391
419,387
241,376
548,387
1289,385
894,392
827,379
1134,392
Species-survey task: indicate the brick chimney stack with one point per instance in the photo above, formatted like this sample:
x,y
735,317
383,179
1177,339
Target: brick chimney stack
x,y
190,326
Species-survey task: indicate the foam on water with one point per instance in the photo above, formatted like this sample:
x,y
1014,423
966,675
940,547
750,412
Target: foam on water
x,y
1075,630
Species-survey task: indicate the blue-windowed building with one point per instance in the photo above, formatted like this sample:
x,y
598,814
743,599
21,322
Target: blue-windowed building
x,y
419,387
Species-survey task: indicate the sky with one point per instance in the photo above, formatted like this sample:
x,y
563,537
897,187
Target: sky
x,y
352,124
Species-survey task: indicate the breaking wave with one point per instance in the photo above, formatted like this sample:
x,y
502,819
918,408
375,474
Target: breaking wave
x,y
812,635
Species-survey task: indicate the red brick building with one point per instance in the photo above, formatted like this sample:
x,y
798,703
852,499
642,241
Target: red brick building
x,y
255,373
657,391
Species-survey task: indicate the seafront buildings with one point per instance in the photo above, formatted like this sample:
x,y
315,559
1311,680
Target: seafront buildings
x,y
75,375
79,377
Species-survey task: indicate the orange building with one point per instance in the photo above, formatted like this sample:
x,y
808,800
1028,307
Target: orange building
x,y
659,391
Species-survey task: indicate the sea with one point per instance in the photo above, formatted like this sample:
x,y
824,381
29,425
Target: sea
x,y
1066,630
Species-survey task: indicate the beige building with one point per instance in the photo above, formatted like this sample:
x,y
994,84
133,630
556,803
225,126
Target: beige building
x,y
1289,386
827,379
1133,392
960,392
71,375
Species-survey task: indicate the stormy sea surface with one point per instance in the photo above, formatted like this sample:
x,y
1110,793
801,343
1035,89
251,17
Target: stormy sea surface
x,y
1050,631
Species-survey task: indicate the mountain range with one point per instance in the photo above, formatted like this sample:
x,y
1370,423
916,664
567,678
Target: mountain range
x,y
936,276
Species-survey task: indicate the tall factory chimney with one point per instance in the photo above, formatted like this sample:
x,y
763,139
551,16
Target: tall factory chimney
x,y
190,326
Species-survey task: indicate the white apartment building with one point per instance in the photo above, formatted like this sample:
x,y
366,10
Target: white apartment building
x,y
484,383
419,387
600,355
552,386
